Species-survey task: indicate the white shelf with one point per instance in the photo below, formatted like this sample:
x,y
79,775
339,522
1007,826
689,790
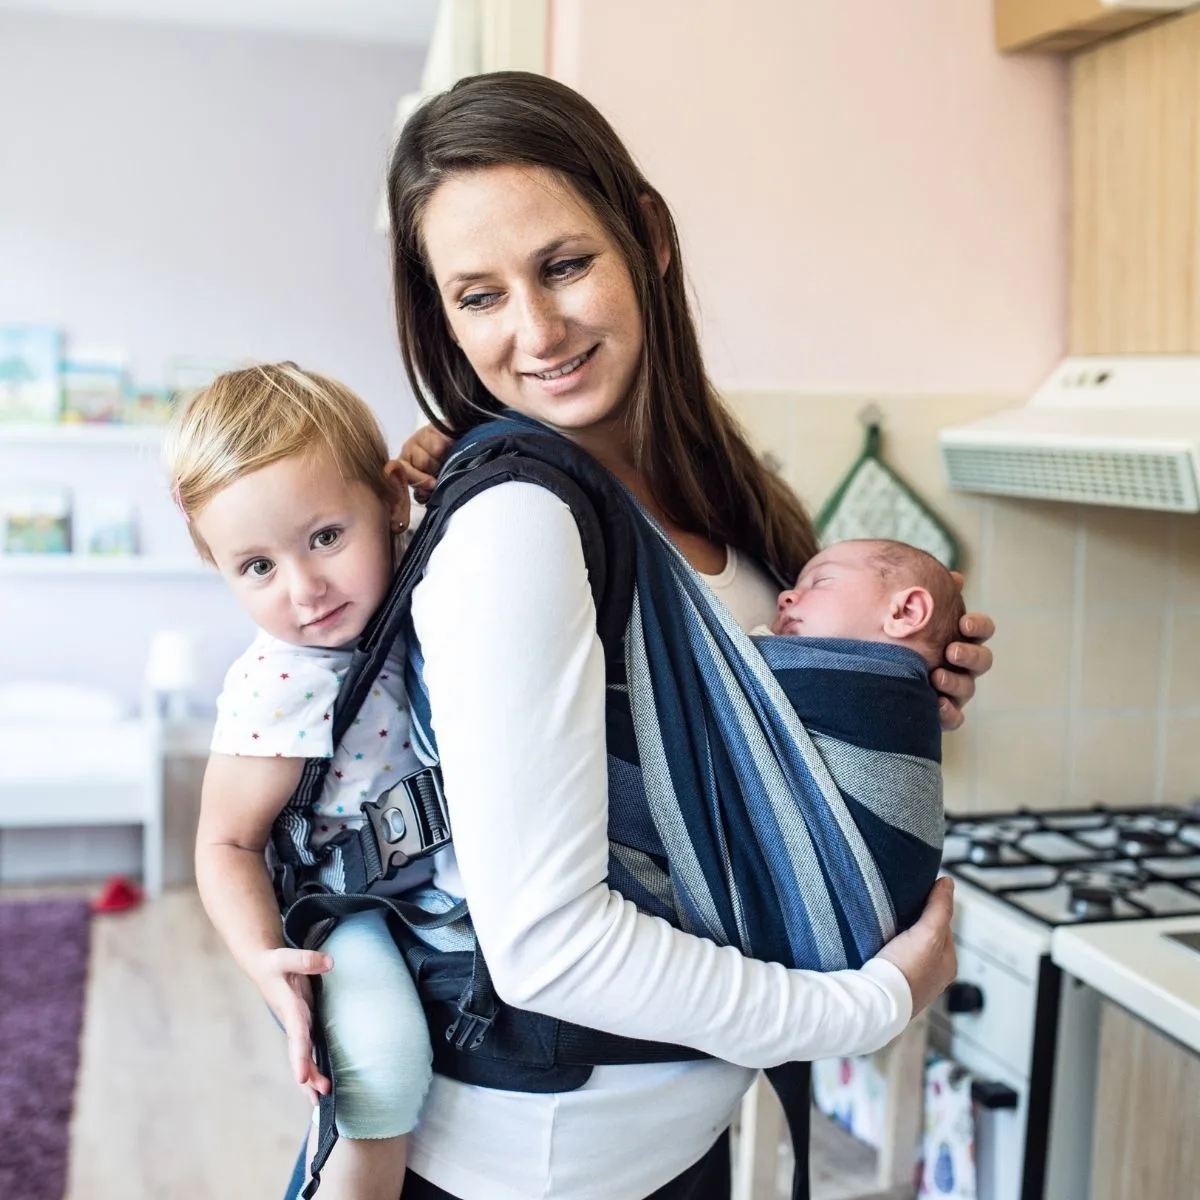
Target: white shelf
x,y
99,564
81,435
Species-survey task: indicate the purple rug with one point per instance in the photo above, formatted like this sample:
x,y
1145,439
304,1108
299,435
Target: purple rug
x,y
43,971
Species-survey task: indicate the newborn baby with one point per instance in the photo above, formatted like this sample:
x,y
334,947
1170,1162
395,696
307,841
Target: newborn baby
x,y
875,591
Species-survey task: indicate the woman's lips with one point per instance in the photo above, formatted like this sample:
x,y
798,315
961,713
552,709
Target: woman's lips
x,y
568,375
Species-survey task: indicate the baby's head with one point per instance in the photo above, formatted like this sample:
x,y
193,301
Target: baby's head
x,y
876,591
280,474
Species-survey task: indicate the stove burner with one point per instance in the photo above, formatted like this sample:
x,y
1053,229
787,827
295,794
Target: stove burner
x,y
984,850
1092,901
1139,840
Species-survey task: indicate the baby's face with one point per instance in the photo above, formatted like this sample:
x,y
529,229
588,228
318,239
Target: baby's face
x,y
307,553
840,593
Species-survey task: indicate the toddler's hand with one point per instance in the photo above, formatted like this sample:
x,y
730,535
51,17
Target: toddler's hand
x,y
282,977
421,459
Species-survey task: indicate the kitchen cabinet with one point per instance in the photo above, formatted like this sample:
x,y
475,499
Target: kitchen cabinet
x,y
1067,25
1147,1097
1135,180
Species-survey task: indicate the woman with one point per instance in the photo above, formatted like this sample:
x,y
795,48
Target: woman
x,y
536,268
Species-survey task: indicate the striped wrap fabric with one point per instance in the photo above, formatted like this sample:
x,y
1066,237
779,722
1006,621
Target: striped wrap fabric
x,y
777,794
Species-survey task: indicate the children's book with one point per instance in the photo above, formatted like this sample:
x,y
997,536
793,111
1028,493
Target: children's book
x,y
35,520
103,524
93,392
30,381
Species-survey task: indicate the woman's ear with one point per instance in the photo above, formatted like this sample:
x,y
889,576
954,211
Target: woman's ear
x,y
656,219
399,505
909,611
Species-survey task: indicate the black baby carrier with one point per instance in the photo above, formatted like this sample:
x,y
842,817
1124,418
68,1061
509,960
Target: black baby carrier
x,y
778,794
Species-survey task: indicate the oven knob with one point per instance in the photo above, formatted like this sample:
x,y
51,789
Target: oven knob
x,y
964,998
992,1094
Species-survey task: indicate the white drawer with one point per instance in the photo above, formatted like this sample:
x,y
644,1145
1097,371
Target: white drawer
x,y
1003,1028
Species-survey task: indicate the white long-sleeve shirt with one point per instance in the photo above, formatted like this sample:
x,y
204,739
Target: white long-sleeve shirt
x,y
515,673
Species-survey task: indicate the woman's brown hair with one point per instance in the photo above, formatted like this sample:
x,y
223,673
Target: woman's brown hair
x,y
688,448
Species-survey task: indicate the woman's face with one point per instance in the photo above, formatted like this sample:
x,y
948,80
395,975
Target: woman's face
x,y
537,296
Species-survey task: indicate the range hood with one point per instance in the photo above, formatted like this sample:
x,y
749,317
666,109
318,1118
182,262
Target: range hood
x,y
1121,431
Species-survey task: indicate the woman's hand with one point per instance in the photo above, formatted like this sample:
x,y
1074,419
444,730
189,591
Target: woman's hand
x,y
421,459
925,953
282,977
966,660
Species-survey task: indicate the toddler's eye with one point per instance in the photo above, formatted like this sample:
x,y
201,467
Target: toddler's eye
x,y
326,538
259,568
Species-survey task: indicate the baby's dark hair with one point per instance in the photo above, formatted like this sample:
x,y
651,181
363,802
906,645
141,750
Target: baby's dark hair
x,y
899,563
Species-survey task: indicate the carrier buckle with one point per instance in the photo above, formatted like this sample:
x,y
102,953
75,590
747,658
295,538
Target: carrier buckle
x,y
410,820
468,1029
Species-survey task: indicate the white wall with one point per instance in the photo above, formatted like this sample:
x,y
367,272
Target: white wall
x,y
181,191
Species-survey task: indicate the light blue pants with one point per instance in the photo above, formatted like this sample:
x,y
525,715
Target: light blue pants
x,y
375,1028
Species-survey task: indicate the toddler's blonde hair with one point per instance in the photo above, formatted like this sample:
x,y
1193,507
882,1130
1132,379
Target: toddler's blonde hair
x,y
247,419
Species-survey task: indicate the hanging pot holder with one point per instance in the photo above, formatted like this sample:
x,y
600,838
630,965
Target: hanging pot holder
x,y
874,502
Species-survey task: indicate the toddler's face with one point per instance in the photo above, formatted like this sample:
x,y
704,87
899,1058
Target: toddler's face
x,y
307,553
839,594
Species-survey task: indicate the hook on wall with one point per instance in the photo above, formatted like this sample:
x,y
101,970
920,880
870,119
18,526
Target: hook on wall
x,y
870,414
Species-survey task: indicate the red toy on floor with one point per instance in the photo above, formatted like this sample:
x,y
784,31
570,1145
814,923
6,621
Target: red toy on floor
x,y
118,895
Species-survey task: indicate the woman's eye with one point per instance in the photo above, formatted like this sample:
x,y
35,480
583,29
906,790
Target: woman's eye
x,y
565,268
259,568
475,301
326,538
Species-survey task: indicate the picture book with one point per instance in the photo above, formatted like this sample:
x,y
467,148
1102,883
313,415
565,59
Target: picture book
x,y
30,378
103,524
35,520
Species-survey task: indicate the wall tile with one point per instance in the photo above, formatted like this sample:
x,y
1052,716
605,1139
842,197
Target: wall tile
x,y
1033,659
958,766
1122,658
1021,760
1181,768
1032,554
1183,669
1187,559
1126,557
1113,759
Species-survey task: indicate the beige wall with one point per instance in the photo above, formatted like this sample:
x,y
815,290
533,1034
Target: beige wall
x,y
870,196
1095,695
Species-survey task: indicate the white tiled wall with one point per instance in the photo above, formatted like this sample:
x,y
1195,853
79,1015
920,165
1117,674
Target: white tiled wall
x,y
1095,695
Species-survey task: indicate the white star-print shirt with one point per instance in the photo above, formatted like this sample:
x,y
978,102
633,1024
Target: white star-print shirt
x,y
278,701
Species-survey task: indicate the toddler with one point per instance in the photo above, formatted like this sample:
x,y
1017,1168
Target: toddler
x,y
875,591
283,478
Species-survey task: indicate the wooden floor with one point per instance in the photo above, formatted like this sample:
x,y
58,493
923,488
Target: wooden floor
x,y
183,1091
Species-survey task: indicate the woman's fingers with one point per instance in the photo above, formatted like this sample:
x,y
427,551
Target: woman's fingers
x,y
925,953
970,657
977,626
414,477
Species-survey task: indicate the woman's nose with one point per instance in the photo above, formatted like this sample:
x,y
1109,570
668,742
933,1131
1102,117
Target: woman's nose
x,y
542,327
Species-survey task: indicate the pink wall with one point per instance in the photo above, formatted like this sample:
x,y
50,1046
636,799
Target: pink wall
x,y
870,197
182,191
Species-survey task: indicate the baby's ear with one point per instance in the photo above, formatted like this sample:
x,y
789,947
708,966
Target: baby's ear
x,y
397,490
909,611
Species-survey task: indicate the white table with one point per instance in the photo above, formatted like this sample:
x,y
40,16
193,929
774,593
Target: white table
x,y
72,774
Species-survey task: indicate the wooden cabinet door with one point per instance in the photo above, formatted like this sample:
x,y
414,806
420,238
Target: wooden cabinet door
x,y
1147,1100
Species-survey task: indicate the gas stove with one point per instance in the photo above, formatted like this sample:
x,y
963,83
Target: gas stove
x,y
1027,1033
1072,866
